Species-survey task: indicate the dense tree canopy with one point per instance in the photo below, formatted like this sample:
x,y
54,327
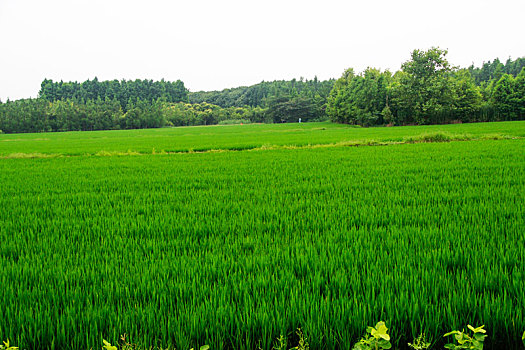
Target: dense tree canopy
x,y
305,97
428,90
257,95
123,91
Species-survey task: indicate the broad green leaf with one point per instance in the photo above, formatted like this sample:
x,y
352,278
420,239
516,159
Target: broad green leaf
x,y
477,330
205,347
375,333
382,329
387,346
479,336
451,333
379,324
108,346
385,336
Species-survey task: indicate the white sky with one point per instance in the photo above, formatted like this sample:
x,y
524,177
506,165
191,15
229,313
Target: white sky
x,y
212,44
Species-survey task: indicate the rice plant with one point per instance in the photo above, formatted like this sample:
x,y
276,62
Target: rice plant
x,y
233,249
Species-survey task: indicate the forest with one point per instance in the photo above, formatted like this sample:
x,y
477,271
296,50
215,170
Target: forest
x,y
427,90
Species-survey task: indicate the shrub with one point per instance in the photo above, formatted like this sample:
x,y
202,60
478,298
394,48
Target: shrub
x,y
378,339
465,341
234,121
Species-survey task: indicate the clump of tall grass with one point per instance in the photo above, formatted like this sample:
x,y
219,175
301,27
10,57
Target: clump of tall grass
x,y
438,136
234,121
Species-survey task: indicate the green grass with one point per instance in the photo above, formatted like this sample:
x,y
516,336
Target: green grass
x,y
234,137
232,249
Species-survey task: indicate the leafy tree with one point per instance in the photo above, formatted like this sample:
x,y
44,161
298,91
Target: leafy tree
x,y
360,99
504,98
426,86
285,109
467,98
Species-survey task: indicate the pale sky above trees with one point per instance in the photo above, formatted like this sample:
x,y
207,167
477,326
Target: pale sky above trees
x,y
212,44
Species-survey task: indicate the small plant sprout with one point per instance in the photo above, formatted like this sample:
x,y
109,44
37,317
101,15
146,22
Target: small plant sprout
x,y
303,342
465,341
420,343
377,340
280,344
204,347
6,346
107,345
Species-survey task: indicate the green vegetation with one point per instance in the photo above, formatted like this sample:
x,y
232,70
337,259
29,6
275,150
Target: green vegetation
x,y
6,346
283,101
233,249
466,341
420,343
122,91
428,90
108,105
240,137
376,339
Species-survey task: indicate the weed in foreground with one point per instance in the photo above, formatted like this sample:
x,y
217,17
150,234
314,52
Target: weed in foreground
x,y
420,343
466,341
377,340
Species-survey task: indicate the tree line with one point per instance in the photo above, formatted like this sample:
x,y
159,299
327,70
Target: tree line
x,y
40,115
123,91
429,90
106,105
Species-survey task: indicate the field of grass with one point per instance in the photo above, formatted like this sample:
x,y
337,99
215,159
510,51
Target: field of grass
x,y
233,137
232,249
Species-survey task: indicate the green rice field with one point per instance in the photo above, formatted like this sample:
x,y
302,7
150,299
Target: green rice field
x,y
233,235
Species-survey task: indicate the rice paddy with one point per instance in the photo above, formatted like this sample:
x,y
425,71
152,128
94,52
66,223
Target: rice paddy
x,y
106,233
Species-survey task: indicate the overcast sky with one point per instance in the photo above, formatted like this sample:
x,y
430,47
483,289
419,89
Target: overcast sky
x,y
211,44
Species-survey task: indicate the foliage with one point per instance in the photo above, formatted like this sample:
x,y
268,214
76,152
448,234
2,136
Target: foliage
x,y
360,99
280,343
38,115
428,90
234,248
6,346
123,344
123,91
303,341
286,109
493,70
259,95
185,114
234,121
466,341
420,343
107,345
378,338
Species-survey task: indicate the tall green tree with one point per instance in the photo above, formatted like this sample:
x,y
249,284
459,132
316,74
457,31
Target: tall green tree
x,y
360,99
467,98
425,88
504,98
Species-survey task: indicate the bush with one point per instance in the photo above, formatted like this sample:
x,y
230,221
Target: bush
x,y
234,121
